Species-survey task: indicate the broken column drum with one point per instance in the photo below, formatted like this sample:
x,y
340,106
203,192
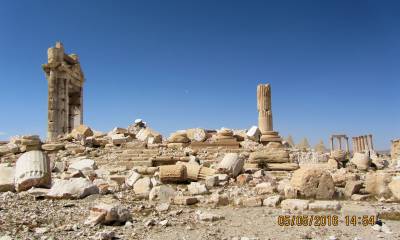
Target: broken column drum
x,y
65,91
265,114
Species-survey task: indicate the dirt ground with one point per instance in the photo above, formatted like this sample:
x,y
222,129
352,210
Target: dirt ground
x,y
23,217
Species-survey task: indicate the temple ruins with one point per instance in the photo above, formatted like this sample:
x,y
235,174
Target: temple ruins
x,y
363,143
339,138
265,115
65,91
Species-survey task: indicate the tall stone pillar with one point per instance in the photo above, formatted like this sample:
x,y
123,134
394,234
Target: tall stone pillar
x,y
354,143
65,98
331,139
265,115
347,145
370,142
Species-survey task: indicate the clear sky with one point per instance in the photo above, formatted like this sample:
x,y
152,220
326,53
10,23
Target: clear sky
x,y
334,66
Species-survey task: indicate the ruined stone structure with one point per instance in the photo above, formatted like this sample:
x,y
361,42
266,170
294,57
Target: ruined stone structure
x,y
65,91
339,138
265,115
362,143
395,149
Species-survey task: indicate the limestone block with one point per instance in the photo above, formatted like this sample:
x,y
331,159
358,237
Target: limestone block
x,y
7,179
324,206
81,131
313,182
145,133
352,187
231,164
196,188
254,133
108,214
270,156
272,201
295,204
82,165
118,139
376,183
225,132
211,181
73,188
32,170
394,187
252,202
265,188
219,199
132,178
173,173
185,200
162,193
142,187
361,160
178,137
196,134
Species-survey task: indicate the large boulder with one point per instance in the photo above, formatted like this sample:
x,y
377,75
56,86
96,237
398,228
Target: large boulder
x,y
73,188
376,183
312,182
6,179
196,134
361,160
394,187
32,170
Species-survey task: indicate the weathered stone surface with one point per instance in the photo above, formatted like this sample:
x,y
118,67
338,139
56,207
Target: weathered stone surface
x,y
118,139
132,178
32,170
7,179
81,131
72,188
270,156
53,146
185,200
212,181
82,165
108,214
265,188
252,202
361,160
394,187
145,133
142,187
295,204
173,173
196,134
352,187
196,188
272,201
232,164
178,137
313,183
208,217
324,206
254,133
219,199
376,183
162,193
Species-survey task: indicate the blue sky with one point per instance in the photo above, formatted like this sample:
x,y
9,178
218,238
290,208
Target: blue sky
x,y
334,66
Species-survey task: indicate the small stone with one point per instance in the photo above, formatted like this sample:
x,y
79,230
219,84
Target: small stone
x,y
142,187
105,235
265,188
108,214
162,207
252,202
196,188
72,188
164,223
219,199
163,193
212,181
82,165
208,217
185,200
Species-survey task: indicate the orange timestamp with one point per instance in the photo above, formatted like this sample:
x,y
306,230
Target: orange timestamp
x,y
325,220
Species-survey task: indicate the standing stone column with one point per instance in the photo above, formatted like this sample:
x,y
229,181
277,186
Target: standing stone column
x,y
265,115
347,145
331,144
354,144
370,142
